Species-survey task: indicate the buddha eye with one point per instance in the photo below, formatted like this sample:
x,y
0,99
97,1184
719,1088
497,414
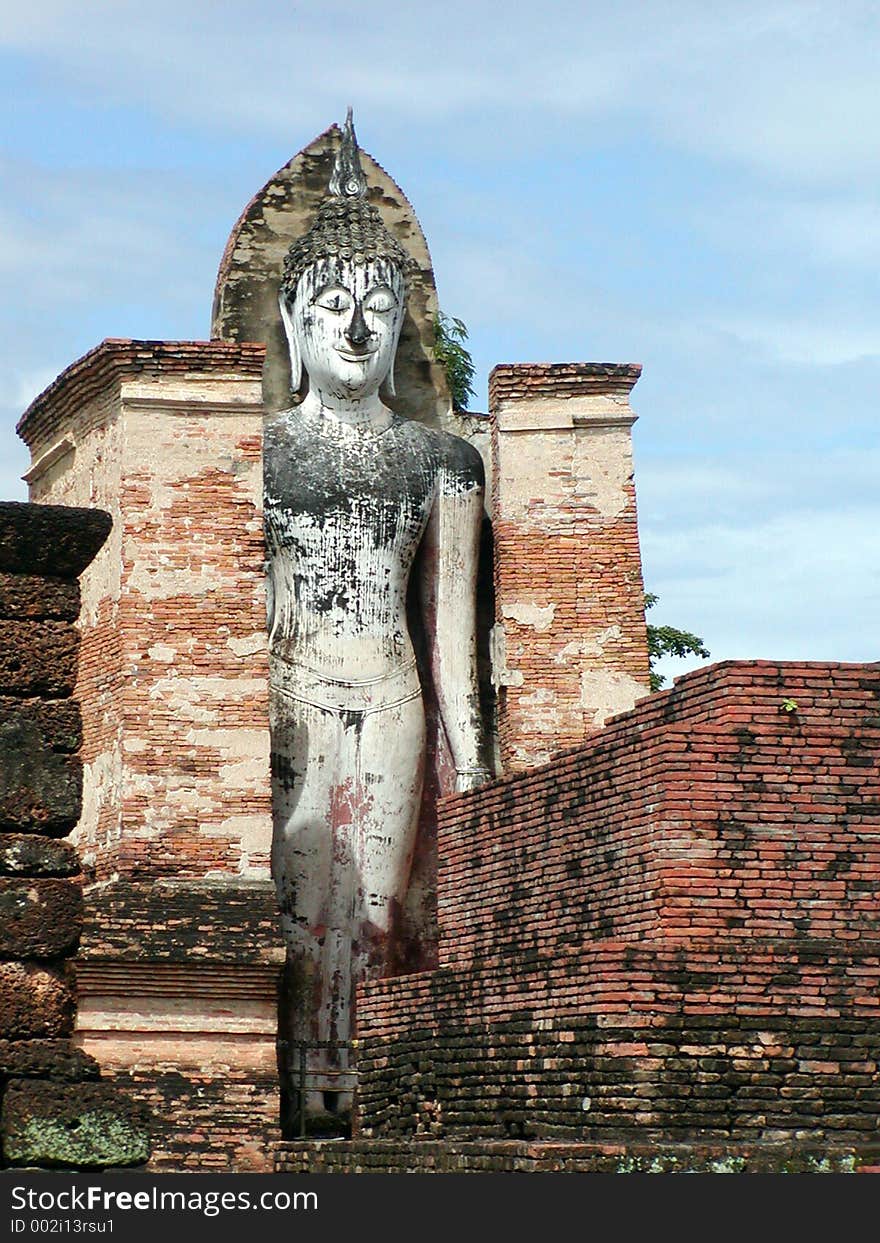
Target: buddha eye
x,y
333,298
380,300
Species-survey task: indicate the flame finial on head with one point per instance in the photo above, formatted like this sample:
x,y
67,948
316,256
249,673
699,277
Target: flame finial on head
x,y
346,226
348,180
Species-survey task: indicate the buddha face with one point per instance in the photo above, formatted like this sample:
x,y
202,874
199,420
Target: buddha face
x,y
344,322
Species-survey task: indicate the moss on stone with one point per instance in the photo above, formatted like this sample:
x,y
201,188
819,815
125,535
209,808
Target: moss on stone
x,y
98,1138
85,1125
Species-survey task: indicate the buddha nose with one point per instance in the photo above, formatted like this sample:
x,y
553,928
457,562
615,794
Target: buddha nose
x,y
357,331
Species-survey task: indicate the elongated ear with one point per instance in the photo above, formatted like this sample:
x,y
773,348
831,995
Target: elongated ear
x,y
390,387
292,343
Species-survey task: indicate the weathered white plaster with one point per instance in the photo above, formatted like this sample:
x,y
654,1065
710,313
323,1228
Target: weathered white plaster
x,y
604,694
536,616
162,652
552,453
532,474
543,414
182,691
530,757
61,450
192,395
502,674
252,742
184,1014
593,645
602,468
250,645
242,774
539,698
251,833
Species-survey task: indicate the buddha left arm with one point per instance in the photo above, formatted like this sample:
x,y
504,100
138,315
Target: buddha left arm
x,y
451,550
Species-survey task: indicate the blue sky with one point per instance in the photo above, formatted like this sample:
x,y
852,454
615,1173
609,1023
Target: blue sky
x,y
689,186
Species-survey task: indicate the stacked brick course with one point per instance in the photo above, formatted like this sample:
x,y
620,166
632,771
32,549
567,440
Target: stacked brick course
x,y
559,381
115,359
571,645
179,987
54,1110
670,936
518,1157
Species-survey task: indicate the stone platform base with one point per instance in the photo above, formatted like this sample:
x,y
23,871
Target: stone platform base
x,y
387,1157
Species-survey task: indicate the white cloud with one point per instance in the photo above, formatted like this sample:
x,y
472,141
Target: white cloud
x,y
686,490
818,341
799,585
788,87
78,235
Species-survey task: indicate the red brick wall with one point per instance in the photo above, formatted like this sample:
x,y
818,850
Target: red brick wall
x,y
196,699
208,1121
707,811
523,381
677,924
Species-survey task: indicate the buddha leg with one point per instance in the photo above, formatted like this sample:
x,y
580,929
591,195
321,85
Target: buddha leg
x,y
380,804
391,755
346,794
307,745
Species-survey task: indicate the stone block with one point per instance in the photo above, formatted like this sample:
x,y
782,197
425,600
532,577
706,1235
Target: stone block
x,y
56,540
23,854
36,1001
82,1125
176,921
38,658
59,721
39,917
45,1059
40,790
28,597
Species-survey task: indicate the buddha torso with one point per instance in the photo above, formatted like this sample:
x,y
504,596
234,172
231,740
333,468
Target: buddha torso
x,y
345,511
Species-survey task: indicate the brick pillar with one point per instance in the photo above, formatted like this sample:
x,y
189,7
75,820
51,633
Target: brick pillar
x,y
173,681
181,951
570,640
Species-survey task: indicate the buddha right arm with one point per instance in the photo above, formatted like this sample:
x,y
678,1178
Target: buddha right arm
x,y
449,593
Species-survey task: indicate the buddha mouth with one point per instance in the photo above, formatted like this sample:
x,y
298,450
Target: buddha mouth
x,y
352,356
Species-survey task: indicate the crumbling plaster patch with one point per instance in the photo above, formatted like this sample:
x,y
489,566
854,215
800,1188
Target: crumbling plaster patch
x,y
502,675
602,468
604,694
536,616
549,471
249,645
593,645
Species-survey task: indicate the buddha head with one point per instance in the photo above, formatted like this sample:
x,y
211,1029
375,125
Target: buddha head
x,y
343,292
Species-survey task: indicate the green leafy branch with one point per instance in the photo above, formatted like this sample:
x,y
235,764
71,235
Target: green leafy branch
x,y
669,641
450,335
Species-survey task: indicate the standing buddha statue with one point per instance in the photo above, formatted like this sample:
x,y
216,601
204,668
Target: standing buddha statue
x,y
353,492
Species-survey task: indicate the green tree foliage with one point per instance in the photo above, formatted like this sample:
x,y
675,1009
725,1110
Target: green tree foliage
x,y
453,356
668,641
